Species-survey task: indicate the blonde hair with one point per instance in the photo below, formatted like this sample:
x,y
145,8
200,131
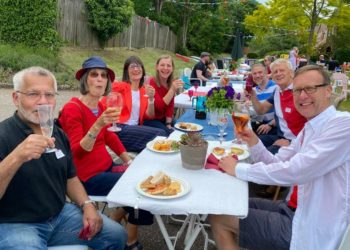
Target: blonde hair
x,y
171,77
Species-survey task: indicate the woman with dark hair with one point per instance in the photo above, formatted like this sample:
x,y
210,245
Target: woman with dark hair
x,y
85,121
138,105
165,90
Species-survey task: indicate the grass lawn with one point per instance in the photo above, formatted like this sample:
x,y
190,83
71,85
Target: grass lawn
x,y
115,57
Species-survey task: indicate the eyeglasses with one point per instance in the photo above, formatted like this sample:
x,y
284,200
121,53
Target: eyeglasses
x,y
34,95
134,66
309,89
95,74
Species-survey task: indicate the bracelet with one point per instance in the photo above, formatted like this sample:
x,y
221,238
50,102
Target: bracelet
x,y
91,135
87,202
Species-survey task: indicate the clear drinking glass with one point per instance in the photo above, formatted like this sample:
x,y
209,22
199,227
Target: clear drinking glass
x,y
115,100
222,125
46,121
146,82
240,117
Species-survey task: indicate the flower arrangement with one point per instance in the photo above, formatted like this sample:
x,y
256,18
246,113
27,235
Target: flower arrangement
x,y
222,98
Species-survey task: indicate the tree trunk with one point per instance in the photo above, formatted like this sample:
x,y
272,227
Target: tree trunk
x,y
186,21
158,5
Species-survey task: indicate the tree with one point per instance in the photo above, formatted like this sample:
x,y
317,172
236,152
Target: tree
x,y
293,16
108,18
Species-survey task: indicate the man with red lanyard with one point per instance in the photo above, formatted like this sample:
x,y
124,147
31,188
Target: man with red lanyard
x,y
318,161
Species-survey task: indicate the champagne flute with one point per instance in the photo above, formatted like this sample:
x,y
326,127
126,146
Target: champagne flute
x,y
115,100
46,121
222,124
240,117
146,83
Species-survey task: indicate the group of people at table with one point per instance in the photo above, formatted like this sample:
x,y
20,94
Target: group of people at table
x,y
311,137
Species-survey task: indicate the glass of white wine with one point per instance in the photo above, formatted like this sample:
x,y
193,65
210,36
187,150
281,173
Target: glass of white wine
x,y
115,100
46,120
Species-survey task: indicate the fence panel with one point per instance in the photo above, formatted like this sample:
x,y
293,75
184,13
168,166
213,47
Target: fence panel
x,y
72,25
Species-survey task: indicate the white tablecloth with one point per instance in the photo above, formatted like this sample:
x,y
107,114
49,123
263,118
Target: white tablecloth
x,y
212,192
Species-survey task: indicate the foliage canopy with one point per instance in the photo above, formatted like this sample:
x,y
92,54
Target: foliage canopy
x,y
108,18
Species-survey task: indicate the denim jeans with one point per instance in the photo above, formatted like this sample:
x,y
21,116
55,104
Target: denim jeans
x,y
62,229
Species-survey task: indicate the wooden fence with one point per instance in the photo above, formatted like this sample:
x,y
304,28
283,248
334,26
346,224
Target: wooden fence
x,y
72,25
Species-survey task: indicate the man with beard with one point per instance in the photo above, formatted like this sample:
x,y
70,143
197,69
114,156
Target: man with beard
x,y
199,70
34,184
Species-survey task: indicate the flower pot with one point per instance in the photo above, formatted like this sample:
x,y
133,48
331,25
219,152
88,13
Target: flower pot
x,y
193,157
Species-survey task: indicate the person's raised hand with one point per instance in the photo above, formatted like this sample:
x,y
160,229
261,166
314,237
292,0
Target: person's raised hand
x,y
109,116
248,136
33,147
177,84
150,91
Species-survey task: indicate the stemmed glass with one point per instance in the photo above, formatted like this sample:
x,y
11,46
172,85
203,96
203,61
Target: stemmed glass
x,y
115,100
222,124
190,93
46,121
240,117
146,83
196,85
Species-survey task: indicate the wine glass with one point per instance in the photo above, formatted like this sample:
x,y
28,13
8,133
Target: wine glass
x,y
115,100
240,117
222,124
46,121
190,93
196,85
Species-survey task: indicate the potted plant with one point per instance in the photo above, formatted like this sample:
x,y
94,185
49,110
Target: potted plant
x,y
220,100
193,150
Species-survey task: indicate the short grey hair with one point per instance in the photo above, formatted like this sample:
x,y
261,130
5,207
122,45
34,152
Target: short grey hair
x,y
84,88
257,65
18,78
281,61
317,68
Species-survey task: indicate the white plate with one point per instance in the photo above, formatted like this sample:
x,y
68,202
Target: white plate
x,y
150,144
185,188
199,127
241,157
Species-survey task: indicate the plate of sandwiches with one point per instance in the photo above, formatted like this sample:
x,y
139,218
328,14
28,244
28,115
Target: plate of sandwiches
x,y
241,152
163,146
162,186
188,127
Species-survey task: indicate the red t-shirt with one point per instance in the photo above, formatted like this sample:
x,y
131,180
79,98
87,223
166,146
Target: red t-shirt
x,y
162,110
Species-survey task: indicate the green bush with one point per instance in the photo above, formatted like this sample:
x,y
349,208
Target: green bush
x,y
252,55
29,22
342,55
109,18
16,58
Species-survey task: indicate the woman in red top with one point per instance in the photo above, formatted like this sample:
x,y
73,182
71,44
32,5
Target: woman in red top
x,y
85,121
165,90
138,105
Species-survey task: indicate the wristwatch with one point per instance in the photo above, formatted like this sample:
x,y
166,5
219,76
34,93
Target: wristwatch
x,y
270,123
91,135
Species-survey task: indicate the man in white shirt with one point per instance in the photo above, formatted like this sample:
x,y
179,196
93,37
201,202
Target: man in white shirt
x,y
318,161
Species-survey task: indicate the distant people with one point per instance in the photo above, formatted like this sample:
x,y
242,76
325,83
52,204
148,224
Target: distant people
x,y
200,69
166,88
293,55
332,64
85,120
263,124
138,105
34,184
302,61
322,59
267,62
317,161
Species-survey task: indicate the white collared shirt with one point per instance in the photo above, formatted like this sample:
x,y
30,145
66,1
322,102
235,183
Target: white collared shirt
x,y
318,161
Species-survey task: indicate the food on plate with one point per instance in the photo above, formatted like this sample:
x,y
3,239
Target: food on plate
x,y
160,184
165,145
188,126
237,151
219,151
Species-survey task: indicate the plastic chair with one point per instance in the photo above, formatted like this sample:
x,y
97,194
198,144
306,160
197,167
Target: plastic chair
x,y
187,72
69,247
345,243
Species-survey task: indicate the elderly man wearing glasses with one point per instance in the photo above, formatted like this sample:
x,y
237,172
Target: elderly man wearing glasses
x,y
317,161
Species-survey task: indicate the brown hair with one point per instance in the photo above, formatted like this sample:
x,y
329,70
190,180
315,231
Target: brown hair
x,y
306,68
171,77
128,61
